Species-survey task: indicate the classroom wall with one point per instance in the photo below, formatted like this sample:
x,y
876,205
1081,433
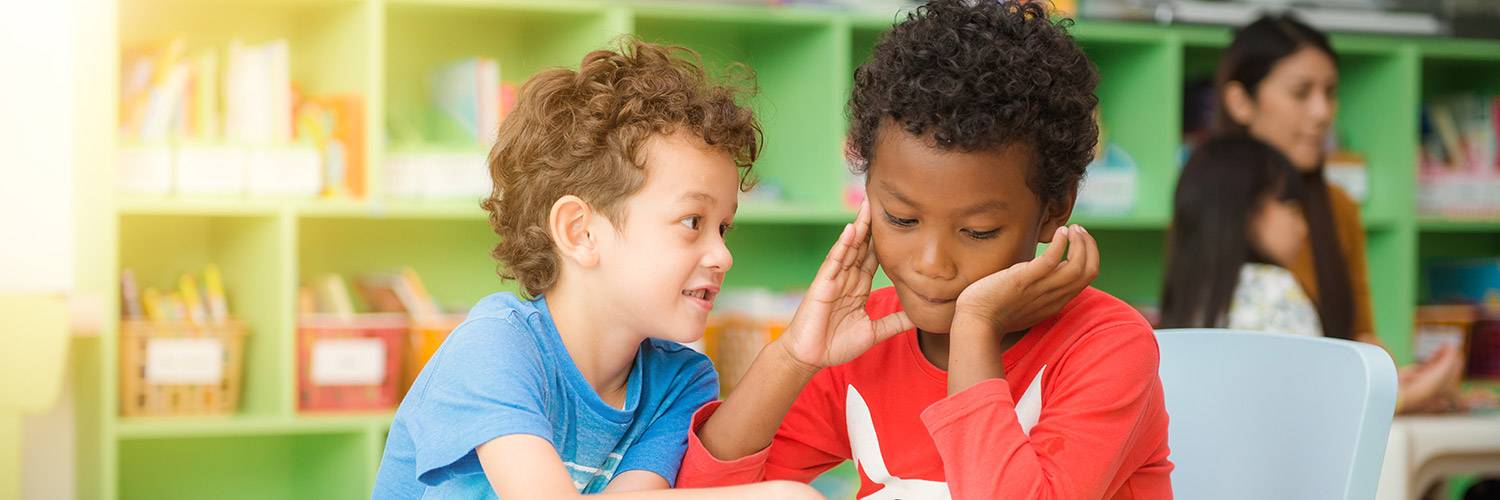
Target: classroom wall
x,y
54,145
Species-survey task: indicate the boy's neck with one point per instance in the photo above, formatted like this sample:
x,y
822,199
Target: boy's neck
x,y
934,346
600,346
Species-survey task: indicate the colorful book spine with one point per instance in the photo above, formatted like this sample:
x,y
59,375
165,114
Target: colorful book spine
x,y
213,288
130,297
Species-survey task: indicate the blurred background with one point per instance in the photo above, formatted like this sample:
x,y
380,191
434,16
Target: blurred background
x,y
259,217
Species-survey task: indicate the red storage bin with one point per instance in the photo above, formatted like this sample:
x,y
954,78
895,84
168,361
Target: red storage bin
x,y
350,364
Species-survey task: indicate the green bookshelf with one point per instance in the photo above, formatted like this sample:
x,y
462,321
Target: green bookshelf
x,y
803,58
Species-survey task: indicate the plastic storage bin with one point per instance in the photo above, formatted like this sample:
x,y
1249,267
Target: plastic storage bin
x,y
350,363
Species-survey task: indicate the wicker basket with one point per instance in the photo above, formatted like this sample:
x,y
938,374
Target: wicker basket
x,y
733,341
180,368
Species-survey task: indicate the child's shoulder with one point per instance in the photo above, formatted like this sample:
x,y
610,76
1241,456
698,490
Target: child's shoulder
x,y
506,305
1095,319
501,347
504,321
1093,302
1095,309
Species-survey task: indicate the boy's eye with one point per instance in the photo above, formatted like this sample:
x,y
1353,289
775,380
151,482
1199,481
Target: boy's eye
x,y
691,221
982,235
899,222
725,228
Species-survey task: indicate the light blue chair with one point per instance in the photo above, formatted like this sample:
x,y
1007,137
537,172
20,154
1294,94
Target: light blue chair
x,y
1269,416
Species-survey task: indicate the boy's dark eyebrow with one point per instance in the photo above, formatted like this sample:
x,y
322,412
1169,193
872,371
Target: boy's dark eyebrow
x,y
988,206
897,195
992,205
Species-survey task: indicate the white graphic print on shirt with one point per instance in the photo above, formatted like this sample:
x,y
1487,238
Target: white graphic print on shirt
x,y
865,445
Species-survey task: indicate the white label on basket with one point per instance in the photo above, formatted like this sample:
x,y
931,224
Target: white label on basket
x,y
348,362
184,361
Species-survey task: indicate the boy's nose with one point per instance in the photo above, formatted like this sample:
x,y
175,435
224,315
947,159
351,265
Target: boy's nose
x,y
718,257
932,261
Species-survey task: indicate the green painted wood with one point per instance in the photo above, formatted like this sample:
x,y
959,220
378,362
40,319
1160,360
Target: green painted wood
x,y
313,466
1441,225
452,256
421,37
1140,100
800,103
143,429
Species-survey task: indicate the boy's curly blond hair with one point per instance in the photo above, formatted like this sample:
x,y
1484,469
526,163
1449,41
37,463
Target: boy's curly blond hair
x,y
581,133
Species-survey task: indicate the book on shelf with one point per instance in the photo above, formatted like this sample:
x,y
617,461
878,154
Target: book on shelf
x,y
1459,168
229,121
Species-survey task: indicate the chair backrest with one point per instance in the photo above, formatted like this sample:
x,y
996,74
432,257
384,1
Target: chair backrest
x,y
1261,415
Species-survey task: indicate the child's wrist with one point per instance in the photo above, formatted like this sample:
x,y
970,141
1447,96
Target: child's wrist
x,y
974,325
973,319
781,350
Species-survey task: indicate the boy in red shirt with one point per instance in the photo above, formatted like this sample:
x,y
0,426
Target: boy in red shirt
x,y
983,372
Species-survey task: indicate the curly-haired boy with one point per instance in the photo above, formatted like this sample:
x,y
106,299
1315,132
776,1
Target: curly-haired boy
x,y
613,187
989,372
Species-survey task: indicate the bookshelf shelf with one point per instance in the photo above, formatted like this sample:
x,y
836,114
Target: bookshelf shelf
x,y
138,429
1458,225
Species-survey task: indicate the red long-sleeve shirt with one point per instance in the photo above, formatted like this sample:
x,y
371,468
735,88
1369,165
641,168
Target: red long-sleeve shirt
x,y
1089,422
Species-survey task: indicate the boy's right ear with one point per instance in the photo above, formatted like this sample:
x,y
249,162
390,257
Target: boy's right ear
x,y
568,224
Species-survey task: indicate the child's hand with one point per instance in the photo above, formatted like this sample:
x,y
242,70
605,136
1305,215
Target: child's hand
x,y
1026,293
831,326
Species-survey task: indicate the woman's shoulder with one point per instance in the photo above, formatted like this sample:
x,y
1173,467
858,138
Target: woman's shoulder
x,y
1345,209
1268,298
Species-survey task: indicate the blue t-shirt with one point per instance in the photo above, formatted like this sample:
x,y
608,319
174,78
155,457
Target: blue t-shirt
x,y
505,371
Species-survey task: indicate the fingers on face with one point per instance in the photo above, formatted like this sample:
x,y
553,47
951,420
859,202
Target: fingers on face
x,y
1092,246
836,257
892,324
1045,267
861,238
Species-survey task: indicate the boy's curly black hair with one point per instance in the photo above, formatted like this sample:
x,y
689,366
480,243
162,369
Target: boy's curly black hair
x,y
980,75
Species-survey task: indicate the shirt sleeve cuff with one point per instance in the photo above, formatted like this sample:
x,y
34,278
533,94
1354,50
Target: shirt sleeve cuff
x,y
974,401
702,469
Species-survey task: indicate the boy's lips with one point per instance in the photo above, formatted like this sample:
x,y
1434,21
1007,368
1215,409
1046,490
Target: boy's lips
x,y
900,284
702,296
930,300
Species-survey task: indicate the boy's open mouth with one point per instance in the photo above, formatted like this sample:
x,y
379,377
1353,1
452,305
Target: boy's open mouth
x,y
703,296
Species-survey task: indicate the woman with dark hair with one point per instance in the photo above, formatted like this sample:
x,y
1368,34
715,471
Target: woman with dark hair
x,y
1237,227
1277,83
